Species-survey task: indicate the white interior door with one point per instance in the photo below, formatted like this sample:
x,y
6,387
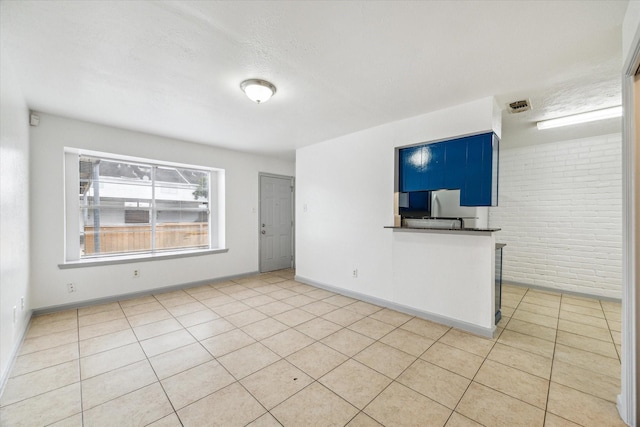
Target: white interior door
x,y
276,223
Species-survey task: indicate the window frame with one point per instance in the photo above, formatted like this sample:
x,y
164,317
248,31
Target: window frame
x,y
71,216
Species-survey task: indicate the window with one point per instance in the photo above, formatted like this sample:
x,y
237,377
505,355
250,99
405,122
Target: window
x,y
126,206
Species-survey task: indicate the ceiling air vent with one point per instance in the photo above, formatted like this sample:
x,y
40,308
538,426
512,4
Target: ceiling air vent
x,y
519,106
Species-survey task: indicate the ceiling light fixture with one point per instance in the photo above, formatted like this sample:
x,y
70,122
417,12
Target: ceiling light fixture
x,y
258,90
591,116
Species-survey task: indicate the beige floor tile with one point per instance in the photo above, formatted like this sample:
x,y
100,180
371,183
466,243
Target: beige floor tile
x,y
347,342
355,382
268,288
58,316
363,308
282,294
343,316
584,330
314,406
217,301
614,325
150,317
243,295
39,329
86,332
363,420
180,359
196,318
527,343
532,329
137,408
294,317
598,322
202,292
32,345
514,382
287,342
299,300
41,381
155,329
467,342
265,420
170,420
339,300
582,408
457,420
577,301
44,359
106,342
300,288
193,384
188,308
587,360
538,319
319,308
539,309
539,300
317,359
229,407
453,359
44,409
138,300
587,381
318,328
425,328
105,316
587,311
248,360
166,342
492,408
227,342
259,300
274,308
436,383
93,309
276,383
407,341
148,307
245,317
385,359
177,299
523,360
210,329
617,337
372,328
551,420
264,328
102,388
231,308
72,421
109,360
400,406
391,317
510,300
588,344
320,294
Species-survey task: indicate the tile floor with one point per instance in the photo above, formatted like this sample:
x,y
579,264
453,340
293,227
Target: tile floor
x,y
269,351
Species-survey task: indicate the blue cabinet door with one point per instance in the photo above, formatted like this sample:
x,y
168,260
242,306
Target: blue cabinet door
x,y
477,190
434,165
411,169
455,164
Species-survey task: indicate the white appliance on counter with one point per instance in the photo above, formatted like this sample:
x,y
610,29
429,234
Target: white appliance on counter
x,y
446,204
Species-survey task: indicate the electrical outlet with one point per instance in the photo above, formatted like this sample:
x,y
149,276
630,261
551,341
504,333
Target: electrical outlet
x,y
22,303
354,274
71,287
136,274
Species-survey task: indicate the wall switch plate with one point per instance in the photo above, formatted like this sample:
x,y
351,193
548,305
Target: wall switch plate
x,y
354,274
71,287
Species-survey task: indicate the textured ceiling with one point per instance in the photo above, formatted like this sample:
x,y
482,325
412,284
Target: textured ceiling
x,y
174,68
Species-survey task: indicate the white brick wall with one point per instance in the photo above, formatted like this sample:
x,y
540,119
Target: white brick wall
x,y
560,210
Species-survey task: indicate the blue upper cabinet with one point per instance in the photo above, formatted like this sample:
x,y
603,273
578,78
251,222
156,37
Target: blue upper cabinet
x,y
469,164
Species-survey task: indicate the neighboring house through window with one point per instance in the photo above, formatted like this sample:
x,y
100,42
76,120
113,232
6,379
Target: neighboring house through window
x,y
126,206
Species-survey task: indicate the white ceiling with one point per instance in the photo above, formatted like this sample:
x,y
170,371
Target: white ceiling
x,y
174,68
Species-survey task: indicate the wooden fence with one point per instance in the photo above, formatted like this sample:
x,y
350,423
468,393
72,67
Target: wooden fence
x,y
134,238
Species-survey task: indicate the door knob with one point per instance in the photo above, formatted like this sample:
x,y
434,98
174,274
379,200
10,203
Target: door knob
x,y
264,232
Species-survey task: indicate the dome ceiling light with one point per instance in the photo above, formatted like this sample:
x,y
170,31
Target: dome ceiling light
x,y
258,90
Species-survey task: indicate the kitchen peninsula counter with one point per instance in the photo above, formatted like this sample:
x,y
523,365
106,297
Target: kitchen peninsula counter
x,y
447,275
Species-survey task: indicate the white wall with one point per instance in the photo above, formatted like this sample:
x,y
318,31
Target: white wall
x,y
47,219
560,212
345,190
14,213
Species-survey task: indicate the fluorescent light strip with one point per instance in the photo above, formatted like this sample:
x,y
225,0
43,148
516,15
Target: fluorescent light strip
x,y
591,116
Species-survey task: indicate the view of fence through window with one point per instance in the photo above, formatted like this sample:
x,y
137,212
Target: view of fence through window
x,y
131,208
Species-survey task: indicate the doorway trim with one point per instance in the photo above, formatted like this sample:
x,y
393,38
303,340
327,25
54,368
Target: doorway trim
x,y
628,399
293,216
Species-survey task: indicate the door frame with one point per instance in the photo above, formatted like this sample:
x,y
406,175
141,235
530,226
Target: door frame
x,y
628,399
293,215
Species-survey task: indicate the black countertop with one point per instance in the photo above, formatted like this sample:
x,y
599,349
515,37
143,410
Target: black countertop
x,y
482,230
